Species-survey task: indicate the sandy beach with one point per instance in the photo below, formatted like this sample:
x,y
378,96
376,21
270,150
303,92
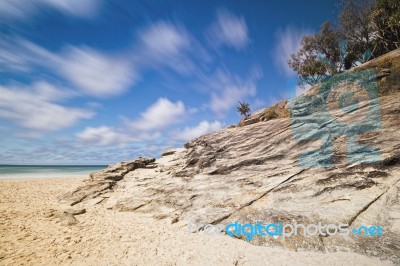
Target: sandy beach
x,y
29,236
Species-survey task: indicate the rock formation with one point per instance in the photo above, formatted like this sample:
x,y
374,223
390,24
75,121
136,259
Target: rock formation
x,y
252,173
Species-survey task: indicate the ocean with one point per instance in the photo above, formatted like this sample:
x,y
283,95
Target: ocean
x,y
46,171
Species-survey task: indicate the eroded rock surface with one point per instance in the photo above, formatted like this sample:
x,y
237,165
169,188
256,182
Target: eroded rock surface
x,y
104,180
252,173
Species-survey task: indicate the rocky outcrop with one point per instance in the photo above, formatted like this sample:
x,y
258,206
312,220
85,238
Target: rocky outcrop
x,y
278,110
167,152
267,171
104,180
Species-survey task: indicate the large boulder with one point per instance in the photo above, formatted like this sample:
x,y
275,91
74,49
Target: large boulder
x,y
264,171
103,180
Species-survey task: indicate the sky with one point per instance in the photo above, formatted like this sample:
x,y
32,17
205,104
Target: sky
x,y
98,82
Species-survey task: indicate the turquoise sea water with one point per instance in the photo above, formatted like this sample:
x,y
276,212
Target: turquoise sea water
x,y
46,171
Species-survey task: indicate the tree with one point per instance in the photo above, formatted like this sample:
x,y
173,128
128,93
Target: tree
x,y
356,27
243,109
386,22
367,29
319,56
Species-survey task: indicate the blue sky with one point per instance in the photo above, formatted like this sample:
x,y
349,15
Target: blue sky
x,y
97,82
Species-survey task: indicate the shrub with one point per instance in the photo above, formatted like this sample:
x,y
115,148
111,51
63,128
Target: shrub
x,y
270,113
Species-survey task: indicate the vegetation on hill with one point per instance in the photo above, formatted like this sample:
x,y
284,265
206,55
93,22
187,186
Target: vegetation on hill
x,y
366,29
243,109
386,67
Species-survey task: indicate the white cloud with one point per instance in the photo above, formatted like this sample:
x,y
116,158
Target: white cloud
x,y
231,89
229,30
288,42
103,136
161,114
14,56
95,73
10,60
25,8
37,108
223,102
164,44
81,8
189,133
100,74
110,136
147,128
92,72
164,39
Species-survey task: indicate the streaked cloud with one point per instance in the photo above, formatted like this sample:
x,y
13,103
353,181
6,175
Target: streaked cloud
x,y
151,125
163,39
166,44
91,72
229,89
24,8
95,73
288,41
16,55
78,78
229,30
36,107
189,133
161,114
103,136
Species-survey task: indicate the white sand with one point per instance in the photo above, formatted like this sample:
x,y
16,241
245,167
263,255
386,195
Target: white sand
x,y
108,237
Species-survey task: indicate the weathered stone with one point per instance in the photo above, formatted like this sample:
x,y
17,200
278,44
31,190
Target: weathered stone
x,y
74,211
104,180
252,173
68,220
168,152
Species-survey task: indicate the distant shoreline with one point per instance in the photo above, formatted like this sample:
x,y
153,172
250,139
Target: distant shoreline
x,y
29,172
53,165
44,178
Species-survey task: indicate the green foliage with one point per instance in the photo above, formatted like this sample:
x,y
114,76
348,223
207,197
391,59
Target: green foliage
x,y
318,56
366,29
243,109
355,26
270,113
386,20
